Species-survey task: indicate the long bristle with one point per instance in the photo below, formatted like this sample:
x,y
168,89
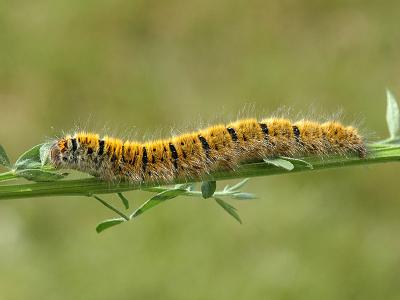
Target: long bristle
x,y
195,154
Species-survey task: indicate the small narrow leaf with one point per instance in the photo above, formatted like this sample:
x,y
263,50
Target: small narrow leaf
x,y
39,175
244,196
226,188
208,188
4,160
229,209
124,200
392,116
237,186
298,160
280,163
183,186
30,159
157,199
108,223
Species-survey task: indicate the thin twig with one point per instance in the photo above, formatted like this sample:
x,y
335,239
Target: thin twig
x,y
111,207
379,153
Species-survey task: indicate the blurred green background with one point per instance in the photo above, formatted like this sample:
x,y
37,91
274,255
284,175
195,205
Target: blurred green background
x,y
140,68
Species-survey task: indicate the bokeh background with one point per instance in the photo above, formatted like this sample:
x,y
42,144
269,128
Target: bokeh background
x,y
143,68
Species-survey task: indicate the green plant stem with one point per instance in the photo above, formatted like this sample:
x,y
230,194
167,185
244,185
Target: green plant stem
x,y
378,153
111,207
7,176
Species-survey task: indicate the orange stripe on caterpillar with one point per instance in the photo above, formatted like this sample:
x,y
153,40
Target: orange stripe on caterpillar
x,y
195,154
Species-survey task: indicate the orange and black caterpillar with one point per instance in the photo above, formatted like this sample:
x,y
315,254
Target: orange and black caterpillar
x,y
195,154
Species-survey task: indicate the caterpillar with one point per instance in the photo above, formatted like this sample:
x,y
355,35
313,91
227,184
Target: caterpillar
x,y
195,154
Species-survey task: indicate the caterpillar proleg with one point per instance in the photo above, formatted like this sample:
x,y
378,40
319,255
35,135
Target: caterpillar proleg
x,y
196,154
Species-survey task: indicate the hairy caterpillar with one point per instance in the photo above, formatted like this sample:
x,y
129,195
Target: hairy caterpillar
x,y
195,154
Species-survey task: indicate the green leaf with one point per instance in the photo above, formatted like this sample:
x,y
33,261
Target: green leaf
x,y
44,153
30,159
124,200
280,163
108,223
236,186
298,160
392,116
208,188
157,199
229,209
184,186
39,175
4,160
244,196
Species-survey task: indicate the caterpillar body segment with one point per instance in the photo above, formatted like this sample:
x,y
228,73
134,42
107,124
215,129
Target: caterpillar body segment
x,y
195,154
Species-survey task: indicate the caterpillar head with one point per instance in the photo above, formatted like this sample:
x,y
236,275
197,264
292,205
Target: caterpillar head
x,y
74,150
60,151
